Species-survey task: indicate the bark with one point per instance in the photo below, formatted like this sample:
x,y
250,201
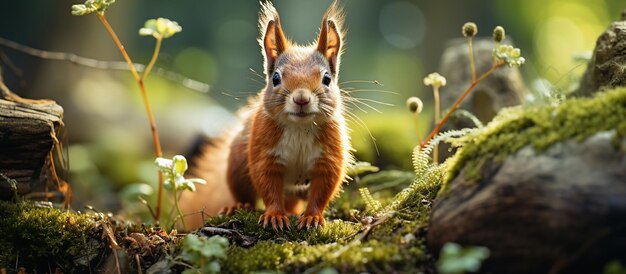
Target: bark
x,y
28,145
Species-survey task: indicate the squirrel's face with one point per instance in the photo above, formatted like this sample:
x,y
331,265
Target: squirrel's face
x,y
301,80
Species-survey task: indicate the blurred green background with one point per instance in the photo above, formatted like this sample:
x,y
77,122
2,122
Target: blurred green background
x,y
396,42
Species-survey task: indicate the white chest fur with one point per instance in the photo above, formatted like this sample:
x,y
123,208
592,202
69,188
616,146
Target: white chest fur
x,y
298,151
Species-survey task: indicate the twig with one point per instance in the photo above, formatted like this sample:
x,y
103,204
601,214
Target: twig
x,y
144,96
99,64
457,103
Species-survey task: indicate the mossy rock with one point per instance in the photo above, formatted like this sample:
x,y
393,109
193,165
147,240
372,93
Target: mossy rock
x,y
542,186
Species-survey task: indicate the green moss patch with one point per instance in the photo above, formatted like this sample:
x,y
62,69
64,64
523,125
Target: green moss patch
x,y
46,238
540,127
390,238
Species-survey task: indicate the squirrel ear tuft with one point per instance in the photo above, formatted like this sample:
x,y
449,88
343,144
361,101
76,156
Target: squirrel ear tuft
x,y
272,41
330,40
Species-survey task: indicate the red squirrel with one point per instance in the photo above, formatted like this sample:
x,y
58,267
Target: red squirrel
x,y
293,144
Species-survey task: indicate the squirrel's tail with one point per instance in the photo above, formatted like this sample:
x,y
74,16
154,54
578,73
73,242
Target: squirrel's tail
x,y
207,160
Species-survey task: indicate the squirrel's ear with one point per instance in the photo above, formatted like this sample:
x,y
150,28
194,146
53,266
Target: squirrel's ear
x,y
273,39
330,40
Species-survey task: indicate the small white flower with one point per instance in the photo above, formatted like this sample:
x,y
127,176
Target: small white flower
x,y
435,79
160,28
510,55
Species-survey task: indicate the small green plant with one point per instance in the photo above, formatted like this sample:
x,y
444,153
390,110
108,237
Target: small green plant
x,y
173,172
160,29
503,55
202,254
455,259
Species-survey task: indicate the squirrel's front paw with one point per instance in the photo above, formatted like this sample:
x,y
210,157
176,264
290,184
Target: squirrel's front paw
x,y
311,220
276,218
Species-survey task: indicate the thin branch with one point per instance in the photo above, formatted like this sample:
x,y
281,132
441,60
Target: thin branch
x,y
104,65
144,96
457,103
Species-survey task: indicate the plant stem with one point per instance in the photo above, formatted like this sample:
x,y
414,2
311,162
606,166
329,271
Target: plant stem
x,y
437,118
119,45
458,102
471,58
180,213
155,55
144,95
495,59
417,130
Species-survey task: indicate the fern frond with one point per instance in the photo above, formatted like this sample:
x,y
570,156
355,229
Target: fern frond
x,y
421,158
464,113
372,206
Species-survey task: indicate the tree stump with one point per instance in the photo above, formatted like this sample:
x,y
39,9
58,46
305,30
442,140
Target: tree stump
x,y
28,147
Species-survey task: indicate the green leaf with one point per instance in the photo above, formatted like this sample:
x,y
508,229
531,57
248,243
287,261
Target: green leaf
x,y
130,192
187,185
361,167
455,259
168,184
78,10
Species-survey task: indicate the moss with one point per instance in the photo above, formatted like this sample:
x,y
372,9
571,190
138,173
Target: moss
x,y
396,244
245,221
45,238
293,257
539,127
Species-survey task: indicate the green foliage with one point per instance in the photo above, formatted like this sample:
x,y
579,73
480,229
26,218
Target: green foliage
x,y
160,28
173,174
455,259
359,168
372,206
41,237
464,113
204,254
90,6
538,127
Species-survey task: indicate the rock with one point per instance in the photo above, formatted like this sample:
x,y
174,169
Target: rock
x,y
557,211
606,68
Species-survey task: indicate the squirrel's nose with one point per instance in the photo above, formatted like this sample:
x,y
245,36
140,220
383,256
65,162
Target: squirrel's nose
x,y
301,100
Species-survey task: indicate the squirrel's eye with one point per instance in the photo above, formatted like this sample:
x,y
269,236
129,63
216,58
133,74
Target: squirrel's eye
x,y
276,78
326,79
